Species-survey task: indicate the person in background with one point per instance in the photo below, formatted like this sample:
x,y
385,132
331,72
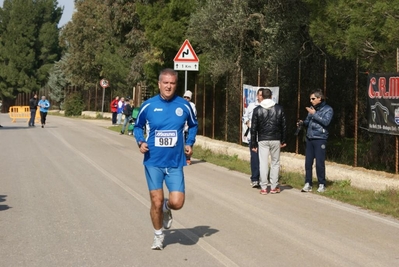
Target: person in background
x,y
268,136
127,111
33,103
114,109
317,121
188,95
121,105
44,106
164,150
254,157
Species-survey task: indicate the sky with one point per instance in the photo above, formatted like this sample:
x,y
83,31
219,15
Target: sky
x,y
68,10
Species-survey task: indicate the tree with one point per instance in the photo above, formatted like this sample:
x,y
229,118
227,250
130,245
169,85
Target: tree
x,y
28,44
57,80
102,40
165,25
365,29
84,38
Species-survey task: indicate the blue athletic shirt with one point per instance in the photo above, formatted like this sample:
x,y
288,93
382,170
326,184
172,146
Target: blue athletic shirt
x,y
165,136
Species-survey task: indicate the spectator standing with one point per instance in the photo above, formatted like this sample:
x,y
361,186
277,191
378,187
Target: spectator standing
x,y
114,109
121,105
268,135
44,106
164,150
188,95
254,157
317,122
33,103
127,111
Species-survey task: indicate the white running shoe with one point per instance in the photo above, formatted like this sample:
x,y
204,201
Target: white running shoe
x,y
167,217
307,188
321,188
158,242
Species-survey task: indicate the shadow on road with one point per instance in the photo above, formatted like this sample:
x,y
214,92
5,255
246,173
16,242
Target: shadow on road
x,y
24,127
14,127
188,236
2,199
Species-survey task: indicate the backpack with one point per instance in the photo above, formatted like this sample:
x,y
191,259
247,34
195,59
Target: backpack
x,y
135,113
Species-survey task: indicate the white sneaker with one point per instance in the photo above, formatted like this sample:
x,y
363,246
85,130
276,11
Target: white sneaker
x,y
158,242
321,188
167,218
307,188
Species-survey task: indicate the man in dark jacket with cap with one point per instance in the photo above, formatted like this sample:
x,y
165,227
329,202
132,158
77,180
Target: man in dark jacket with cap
x,y
127,111
33,102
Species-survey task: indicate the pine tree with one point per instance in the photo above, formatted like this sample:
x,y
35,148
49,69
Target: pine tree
x,y
28,44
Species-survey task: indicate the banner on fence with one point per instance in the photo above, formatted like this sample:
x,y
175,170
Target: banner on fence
x,y
249,96
383,100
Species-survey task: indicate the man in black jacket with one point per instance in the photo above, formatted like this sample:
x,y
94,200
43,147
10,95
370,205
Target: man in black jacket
x,y
268,135
33,107
127,111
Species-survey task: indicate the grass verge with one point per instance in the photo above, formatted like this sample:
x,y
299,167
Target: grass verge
x,y
384,202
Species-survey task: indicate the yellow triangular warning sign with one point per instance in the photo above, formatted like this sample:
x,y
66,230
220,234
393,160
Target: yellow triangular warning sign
x,y
186,53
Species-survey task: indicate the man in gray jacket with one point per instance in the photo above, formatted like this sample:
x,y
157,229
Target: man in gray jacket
x,y
268,136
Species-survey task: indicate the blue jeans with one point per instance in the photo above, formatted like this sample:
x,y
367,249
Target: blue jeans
x,y
119,118
32,117
254,165
127,119
315,149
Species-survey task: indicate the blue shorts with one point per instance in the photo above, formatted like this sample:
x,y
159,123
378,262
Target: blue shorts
x,y
173,177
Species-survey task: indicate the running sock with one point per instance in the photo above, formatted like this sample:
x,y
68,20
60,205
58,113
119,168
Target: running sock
x,y
158,232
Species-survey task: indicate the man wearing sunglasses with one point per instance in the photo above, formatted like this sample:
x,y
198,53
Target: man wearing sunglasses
x,y
319,117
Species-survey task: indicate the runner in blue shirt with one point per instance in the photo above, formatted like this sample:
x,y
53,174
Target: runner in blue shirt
x,y
44,106
164,116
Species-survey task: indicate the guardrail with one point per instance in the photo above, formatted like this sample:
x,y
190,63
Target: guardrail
x,y
22,112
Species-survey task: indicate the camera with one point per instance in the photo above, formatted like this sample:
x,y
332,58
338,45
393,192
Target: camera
x,y
299,128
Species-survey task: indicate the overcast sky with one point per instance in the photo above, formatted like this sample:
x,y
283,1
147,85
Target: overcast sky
x,y
68,10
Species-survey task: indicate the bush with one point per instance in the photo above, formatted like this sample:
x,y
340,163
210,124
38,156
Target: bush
x,y
74,104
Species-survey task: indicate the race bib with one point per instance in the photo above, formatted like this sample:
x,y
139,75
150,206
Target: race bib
x,y
165,138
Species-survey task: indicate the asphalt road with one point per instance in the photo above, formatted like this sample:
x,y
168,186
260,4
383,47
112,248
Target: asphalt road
x,y
74,194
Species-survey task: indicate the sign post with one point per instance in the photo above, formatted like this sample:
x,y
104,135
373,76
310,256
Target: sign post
x,y
186,59
104,84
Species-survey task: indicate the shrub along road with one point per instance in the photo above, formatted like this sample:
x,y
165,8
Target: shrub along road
x,y
74,194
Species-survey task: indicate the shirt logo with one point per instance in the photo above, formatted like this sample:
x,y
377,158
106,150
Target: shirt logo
x,y
179,112
158,109
167,133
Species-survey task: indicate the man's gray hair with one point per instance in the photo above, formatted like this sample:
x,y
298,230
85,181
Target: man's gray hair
x,y
168,71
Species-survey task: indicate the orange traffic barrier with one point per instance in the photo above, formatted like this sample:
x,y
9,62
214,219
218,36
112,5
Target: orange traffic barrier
x,y
22,112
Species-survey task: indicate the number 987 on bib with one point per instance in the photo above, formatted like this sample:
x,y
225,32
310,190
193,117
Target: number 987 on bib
x,y
165,138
